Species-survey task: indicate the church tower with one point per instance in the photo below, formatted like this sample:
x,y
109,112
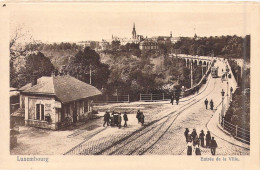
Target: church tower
x,y
134,32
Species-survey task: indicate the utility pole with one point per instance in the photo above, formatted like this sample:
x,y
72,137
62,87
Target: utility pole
x,y
90,74
191,75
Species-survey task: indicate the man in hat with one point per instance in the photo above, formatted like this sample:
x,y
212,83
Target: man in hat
x,y
125,119
202,138
119,120
211,104
106,118
193,134
138,115
186,134
213,145
172,99
206,103
208,139
142,118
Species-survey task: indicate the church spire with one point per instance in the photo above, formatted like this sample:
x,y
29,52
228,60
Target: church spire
x,y
134,32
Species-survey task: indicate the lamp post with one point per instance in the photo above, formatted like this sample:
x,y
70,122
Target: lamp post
x,y
223,94
231,90
227,87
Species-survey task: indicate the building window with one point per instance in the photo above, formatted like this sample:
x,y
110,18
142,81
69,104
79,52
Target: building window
x,y
39,112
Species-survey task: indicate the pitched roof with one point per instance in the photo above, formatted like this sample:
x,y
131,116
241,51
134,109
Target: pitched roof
x,y
66,88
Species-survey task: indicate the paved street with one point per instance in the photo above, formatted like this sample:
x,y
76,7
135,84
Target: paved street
x,y
164,135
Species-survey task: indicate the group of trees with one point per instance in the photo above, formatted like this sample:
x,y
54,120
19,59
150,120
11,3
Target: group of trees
x,y
226,46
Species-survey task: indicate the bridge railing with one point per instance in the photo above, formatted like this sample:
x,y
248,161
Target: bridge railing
x,y
112,99
193,89
236,131
155,97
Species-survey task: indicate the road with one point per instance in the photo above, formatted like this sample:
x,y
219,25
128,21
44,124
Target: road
x,y
165,135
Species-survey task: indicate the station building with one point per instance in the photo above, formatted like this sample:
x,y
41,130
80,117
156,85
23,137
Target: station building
x,y
53,102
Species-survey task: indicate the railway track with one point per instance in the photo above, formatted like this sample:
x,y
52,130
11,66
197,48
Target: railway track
x,y
143,140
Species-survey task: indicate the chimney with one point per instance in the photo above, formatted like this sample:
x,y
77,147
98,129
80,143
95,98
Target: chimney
x,y
34,80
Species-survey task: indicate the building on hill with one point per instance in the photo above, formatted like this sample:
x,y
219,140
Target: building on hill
x,y
148,44
57,101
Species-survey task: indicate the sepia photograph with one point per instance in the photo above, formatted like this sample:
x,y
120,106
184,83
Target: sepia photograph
x,y
128,79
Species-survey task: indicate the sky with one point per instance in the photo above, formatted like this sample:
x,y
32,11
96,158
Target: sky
x,y
67,22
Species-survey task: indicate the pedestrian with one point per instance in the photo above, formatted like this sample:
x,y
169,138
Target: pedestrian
x,y
208,139
112,119
186,134
197,89
211,104
125,119
177,99
202,138
193,134
142,118
213,146
119,120
138,115
106,118
197,149
189,148
172,99
206,103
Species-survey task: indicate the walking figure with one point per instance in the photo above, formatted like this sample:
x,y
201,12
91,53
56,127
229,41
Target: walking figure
x,y
177,99
112,119
172,99
197,149
213,146
208,139
106,118
186,134
211,104
189,148
193,134
138,115
206,103
197,89
125,119
119,120
202,138
142,118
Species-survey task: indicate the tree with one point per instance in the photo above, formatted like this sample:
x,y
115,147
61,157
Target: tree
x,y
36,65
84,62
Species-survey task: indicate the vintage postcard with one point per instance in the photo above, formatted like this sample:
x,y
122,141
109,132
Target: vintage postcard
x,y
129,85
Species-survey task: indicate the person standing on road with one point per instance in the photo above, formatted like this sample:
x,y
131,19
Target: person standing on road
x,y
186,134
189,148
172,99
138,115
112,119
142,118
206,103
119,120
125,119
208,139
211,104
213,146
177,99
193,134
106,118
202,138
